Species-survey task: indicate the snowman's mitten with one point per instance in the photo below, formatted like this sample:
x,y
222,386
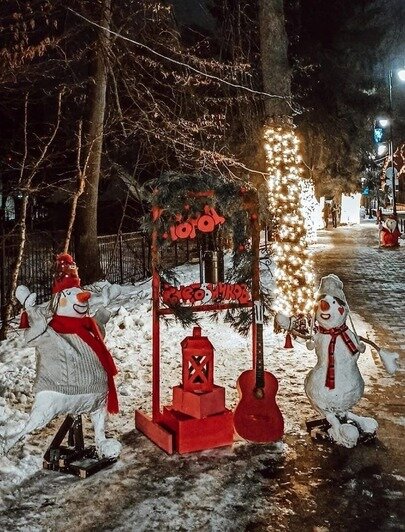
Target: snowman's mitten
x,y
310,344
102,316
361,347
285,322
24,296
389,360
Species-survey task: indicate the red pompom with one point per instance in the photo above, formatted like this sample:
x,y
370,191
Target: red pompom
x,y
165,236
288,342
241,248
24,324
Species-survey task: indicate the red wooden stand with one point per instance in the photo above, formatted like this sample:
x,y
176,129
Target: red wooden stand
x,y
199,405
197,419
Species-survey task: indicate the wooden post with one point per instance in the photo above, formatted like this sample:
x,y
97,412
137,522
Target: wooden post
x,y
156,414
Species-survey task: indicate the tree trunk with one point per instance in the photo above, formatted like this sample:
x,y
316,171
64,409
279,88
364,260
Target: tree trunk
x,y
86,245
273,50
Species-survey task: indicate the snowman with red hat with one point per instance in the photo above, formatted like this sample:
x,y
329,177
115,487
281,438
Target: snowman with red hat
x,y
335,385
389,232
75,370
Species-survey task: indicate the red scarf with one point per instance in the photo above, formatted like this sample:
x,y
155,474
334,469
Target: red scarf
x,y
337,331
87,329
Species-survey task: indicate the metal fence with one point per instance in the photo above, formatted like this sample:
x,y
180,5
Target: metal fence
x,y
124,258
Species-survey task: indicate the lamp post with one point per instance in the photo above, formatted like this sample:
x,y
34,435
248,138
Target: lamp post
x,y
392,172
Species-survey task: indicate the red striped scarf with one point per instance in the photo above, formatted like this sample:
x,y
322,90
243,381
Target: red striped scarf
x,y
335,332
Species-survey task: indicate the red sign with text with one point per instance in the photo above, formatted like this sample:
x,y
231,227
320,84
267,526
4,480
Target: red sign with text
x,y
204,293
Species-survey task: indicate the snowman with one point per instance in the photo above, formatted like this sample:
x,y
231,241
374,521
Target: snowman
x,y
335,385
75,370
389,232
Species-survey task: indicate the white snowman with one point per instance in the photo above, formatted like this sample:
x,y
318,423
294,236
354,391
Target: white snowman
x,y
75,370
335,384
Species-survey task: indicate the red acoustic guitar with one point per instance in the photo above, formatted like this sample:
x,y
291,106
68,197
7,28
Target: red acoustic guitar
x,y
257,417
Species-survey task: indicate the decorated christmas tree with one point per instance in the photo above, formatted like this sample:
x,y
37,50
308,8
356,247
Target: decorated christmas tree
x,y
293,266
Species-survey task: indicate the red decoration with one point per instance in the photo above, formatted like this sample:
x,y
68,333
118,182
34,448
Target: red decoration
x,y
198,416
185,230
156,212
199,405
198,359
288,342
165,236
66,275
241,248
24,324
389,239
193,434
253,217
205,223
218,219
202,294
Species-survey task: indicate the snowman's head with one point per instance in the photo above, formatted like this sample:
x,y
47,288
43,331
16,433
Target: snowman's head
x,y
330,311
71,302
390,223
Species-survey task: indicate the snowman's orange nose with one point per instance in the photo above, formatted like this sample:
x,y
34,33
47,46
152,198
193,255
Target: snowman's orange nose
x,y
82,297
324,305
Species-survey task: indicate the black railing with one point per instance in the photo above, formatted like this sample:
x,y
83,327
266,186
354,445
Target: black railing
x,y
124,258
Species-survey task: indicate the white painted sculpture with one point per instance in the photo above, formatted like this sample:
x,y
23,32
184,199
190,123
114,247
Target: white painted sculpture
x,y
334,386
75,371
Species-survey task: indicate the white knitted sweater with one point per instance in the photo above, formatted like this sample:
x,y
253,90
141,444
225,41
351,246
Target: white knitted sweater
x,y
65,363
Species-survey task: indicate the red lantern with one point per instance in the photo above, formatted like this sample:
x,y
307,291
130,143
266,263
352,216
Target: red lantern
x,y
198,363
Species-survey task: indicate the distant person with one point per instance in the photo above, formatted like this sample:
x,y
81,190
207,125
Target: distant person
x,y
379,216
335,212
326,213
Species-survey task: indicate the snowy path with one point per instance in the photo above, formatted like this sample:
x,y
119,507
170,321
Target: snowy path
x,y
294,485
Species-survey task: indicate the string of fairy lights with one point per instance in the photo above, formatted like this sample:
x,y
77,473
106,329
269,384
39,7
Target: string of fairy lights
x,y
293,266
311,210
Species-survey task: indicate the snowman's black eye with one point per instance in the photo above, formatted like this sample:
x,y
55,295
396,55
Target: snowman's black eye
x,y
68,293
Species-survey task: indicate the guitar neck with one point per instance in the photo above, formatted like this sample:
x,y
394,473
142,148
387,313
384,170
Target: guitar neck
x,y
259,365
259,356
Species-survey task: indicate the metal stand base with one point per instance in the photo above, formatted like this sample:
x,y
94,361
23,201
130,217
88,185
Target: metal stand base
x,y
73,458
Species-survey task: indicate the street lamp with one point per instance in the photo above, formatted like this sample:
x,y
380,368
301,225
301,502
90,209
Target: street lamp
x,y
392,172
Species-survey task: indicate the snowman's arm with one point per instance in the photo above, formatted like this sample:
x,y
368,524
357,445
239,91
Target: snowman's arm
x,y
37,320
388,358
285,322
369,342
102,316
288,324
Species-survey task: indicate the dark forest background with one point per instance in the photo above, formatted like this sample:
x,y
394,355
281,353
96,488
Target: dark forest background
x,y
88,118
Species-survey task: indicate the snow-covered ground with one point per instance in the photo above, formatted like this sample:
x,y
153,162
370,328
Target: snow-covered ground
x,y
128,337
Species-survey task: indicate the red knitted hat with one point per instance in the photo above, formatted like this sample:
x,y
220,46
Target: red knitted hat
x,y
66,275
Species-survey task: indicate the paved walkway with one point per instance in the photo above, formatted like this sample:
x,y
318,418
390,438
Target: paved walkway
x,y
373,278
362,488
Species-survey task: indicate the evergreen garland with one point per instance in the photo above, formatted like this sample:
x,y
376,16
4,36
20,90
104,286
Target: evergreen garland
x,y
176,198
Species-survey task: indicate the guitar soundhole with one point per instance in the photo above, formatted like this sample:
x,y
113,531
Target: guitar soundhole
x,y
259,393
